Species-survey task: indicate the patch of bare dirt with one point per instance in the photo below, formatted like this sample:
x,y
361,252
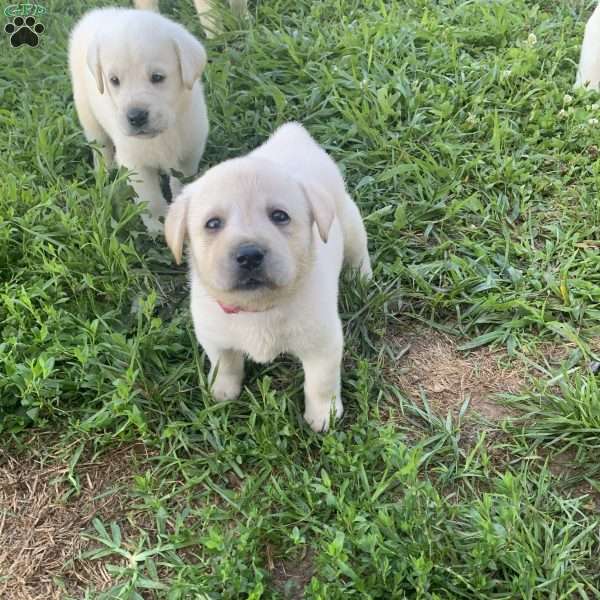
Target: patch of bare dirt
x,y
573,478
290,577
431,363
41,521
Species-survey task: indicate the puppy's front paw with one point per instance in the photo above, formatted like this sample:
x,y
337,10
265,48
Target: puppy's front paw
x,y
108,158
226,387
365,269
317,415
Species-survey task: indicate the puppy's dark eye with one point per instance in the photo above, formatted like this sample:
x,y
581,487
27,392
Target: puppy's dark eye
x,y
157,77
280,217
115,81
214,223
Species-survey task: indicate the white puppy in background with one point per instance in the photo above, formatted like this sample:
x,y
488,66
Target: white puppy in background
x,y
588,73
137,92
204,9
268,233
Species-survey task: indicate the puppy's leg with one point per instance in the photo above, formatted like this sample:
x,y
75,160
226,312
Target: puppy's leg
x,y
176,187
93,131
322,383
238,7
588,72
227,369
146,4
146,184
356,252
189,168
207,17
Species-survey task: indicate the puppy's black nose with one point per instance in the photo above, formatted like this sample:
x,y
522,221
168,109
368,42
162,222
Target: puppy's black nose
x,y
249,256
137,116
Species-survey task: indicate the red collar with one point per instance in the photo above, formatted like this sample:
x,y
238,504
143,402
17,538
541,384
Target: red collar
x,y
230,310
233,310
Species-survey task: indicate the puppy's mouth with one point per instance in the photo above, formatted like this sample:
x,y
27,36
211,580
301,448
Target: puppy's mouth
x,y
248,284
144,133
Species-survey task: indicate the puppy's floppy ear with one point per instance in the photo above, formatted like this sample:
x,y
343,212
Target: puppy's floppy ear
x,y
93,63
192,58
176,225
322,208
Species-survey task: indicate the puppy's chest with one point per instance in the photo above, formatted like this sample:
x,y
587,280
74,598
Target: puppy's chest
x,y
160,153
263,342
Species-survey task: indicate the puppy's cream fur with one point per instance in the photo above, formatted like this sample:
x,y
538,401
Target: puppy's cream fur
x,y
204,9
113,55
588,73
295,310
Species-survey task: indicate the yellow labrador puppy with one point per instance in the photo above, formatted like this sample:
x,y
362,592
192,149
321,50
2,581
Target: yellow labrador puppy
x,y
588,73
268,233
137,92
204,9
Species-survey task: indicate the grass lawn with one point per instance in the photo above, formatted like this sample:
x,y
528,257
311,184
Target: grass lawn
x,y
467,463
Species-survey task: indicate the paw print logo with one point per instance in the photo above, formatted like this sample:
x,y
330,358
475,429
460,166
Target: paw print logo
x,y
24,31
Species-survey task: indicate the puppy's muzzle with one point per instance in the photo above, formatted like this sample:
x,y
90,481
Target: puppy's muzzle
x,y
138,123
249,257
137,117
249,263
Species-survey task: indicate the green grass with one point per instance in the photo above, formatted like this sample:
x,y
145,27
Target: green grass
x,y
476,167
